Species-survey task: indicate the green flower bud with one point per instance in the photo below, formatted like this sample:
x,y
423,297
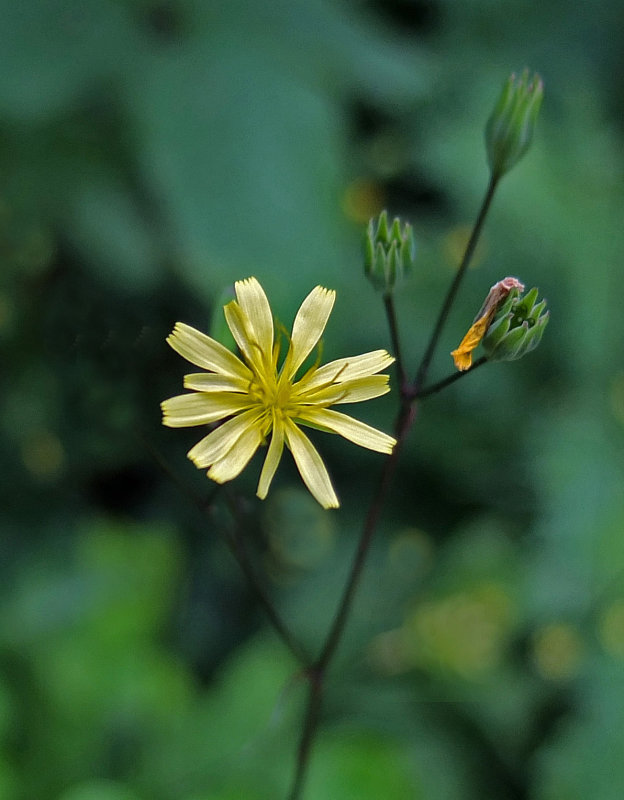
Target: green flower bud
x,y
517,327
389,252
509,130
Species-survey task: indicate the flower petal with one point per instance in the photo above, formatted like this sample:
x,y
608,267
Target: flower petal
x,y
237,458
310,466
220,441
205,352
354,391
237,323
201,408
261,361
209,382
255,306
272,459
346,369
308,327
463,355
352,429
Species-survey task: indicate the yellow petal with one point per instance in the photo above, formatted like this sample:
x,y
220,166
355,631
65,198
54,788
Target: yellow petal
x,y
273,456
209,382
355,391
308,327
352,429
346,369
310,466
220,441
243,335
255,306
205,352
463,355
201,408
237,458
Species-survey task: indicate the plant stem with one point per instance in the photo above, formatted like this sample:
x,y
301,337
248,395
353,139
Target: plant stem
x,y
239,551
236,546
437,387
316,673
396,344
407,412
454,287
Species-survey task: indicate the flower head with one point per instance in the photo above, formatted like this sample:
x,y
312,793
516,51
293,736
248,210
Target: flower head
x,y
481,323
517,327
254,396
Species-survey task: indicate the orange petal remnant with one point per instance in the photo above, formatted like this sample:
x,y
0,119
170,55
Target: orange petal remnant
x,y
496,296
463,355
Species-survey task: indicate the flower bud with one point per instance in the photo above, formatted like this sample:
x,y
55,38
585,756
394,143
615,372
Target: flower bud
x,y
509,130
497,298
517,327
389,252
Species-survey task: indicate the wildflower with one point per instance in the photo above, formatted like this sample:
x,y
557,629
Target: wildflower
x,y
517,327
254,397
495,298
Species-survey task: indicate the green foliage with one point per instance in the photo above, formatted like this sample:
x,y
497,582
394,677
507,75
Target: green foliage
x,y
153,153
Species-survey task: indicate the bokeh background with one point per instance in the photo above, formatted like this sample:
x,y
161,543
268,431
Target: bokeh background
x,y
151,154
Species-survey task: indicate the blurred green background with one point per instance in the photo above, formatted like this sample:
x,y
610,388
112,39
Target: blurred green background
x,y
151,154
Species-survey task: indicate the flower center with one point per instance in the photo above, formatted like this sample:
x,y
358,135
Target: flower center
x,y
273,395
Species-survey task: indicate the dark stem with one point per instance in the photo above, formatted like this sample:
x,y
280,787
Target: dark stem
x,y
437,387
310,723
409,392
396,344
236,546
454,287
318,670
239,551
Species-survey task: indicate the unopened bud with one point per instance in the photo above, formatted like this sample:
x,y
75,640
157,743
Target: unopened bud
x,y
517,328
497,295
389,252
509,130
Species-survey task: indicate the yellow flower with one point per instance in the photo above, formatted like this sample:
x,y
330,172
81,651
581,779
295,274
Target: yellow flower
x,y
256,398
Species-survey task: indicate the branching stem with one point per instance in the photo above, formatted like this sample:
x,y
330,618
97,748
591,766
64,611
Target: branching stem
x,y
409,394
236,545
423,370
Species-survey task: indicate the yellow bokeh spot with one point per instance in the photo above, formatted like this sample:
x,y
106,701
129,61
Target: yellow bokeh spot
x,y
464,633
410,555
455,243
557,651
616,396
362,200
43,455
611,629
388,655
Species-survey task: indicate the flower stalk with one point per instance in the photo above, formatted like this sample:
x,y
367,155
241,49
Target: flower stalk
x,y
260,398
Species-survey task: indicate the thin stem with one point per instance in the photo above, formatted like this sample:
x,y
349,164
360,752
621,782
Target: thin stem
x,y
454,287
406,419
310,724
396,344
239,551
236,546
437,387
318,670
408,392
